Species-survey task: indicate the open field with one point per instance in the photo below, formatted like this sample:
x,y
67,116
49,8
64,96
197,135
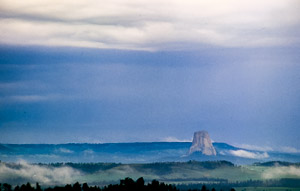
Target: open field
x,y
175,173
193,172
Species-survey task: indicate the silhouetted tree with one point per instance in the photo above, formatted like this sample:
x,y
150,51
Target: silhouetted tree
x,y
17,188
77,187
85,187
203,188
6,187
154,184
140,182
68,187
26,187
38,187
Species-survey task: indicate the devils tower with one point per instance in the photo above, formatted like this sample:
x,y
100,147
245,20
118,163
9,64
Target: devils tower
x,y
202,143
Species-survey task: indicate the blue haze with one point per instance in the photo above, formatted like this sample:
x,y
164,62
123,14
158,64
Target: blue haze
x,y
63,95
133,153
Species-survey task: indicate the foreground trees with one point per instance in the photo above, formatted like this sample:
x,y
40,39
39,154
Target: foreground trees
x,y
126,184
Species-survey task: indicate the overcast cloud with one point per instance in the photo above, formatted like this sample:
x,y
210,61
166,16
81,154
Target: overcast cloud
x,y
150,25
231,68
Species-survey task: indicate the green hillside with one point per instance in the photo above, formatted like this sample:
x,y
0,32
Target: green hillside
x,y
191,172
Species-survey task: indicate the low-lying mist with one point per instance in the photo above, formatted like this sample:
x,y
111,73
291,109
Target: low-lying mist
x,y
56,174
281,171
22,172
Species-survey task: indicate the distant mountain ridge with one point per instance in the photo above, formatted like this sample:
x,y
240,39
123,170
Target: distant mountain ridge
x,y
140,152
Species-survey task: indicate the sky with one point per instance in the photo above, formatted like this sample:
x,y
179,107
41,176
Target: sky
x,y
142,71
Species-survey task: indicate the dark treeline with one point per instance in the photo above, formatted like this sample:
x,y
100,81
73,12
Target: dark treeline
x,y
158,167
139,185
276,163
125,185
284,182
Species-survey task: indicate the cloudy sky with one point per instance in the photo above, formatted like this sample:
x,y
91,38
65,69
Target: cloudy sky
x,y
130,71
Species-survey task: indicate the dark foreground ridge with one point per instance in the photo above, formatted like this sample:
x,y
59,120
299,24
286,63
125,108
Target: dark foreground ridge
x,y
129,184
126,184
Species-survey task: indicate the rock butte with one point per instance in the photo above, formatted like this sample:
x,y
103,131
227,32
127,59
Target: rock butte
x,y
202,143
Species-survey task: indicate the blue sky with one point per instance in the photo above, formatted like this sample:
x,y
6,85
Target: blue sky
x,y
130,71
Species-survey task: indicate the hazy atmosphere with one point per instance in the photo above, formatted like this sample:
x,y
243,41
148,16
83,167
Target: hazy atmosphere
x,y
148,71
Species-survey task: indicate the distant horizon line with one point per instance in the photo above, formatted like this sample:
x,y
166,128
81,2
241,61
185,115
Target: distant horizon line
x,y
102,143
239,147
98,143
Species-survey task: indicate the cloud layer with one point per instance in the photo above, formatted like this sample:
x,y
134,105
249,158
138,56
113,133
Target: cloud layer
x,y
284,149
279,172
35,173
150,25
248,154
174,139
